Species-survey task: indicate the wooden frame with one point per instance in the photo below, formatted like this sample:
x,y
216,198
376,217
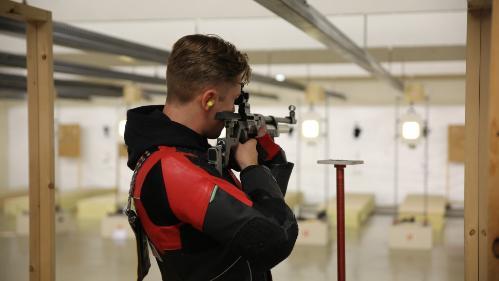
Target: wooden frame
x,y
474,60
41,136
492,122
482,141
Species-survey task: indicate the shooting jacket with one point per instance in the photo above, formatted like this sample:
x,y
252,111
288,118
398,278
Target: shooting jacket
x,y
203,225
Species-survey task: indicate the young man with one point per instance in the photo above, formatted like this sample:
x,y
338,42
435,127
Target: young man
x,y
204,225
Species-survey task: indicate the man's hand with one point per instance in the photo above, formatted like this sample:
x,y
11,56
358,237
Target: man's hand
x,y
246,154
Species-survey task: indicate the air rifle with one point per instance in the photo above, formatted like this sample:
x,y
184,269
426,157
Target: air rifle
x,y
243,125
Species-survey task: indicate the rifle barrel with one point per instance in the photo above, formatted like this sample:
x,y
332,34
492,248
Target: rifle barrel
x,y
271,119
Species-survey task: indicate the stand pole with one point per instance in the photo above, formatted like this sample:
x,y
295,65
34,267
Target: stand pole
x,y
340,209
340,220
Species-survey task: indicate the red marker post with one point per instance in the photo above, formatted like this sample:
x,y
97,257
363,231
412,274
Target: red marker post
x,y
340,209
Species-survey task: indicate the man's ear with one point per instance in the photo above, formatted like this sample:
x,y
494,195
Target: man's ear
x,y
208,99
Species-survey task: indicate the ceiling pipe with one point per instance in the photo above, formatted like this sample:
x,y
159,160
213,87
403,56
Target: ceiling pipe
x,y
300,14
78,38
70,88
14,60
12,94
64,88
82,89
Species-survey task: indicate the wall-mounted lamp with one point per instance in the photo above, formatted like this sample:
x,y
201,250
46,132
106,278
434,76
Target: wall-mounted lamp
x,y
310,128
411,128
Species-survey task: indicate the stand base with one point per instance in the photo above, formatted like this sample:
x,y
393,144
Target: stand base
x,y
313,232
116,227
411,236
64,223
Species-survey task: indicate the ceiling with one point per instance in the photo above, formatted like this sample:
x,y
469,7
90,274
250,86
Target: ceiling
x,y
424,38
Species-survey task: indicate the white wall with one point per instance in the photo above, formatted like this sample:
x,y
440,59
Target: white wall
x,y
97,167
17,146
376,147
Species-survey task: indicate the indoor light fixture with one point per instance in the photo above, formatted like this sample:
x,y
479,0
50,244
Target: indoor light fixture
x,y
121,128
310,128
126,59
280,77
411,128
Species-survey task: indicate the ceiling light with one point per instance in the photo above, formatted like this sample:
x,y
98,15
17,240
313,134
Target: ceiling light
x,y
280,77
126,59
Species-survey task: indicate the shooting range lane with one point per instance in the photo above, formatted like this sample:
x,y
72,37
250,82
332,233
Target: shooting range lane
x,y
408,87
367,256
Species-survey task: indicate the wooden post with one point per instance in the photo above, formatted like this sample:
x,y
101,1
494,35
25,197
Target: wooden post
x,y
472,108
41,136
41,150
492,231
482,141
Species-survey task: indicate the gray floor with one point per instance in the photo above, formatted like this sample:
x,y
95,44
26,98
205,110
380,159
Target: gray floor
x,y
85,256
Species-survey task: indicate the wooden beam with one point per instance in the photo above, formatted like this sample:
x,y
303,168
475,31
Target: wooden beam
x,y
493,149
22,12
41,136
471,145
482,144
482,141
41,150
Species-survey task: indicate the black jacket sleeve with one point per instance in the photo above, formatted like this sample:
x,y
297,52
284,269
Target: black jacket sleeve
x,y
273,156
263,233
